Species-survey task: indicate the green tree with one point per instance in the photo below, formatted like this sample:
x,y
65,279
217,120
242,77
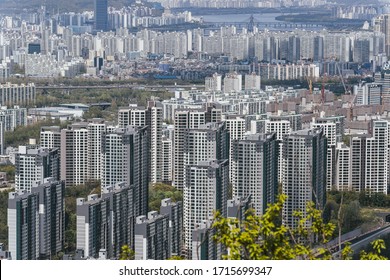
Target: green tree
x,y
377,246
71,194
264,238
126,253
3,215
159,191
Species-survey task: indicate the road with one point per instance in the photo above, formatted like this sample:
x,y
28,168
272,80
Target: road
x,y
361,244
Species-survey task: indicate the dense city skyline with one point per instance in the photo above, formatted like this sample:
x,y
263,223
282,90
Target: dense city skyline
x,y
227,112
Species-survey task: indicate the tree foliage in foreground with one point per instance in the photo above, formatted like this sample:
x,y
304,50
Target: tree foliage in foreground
x,y
264,238
126,253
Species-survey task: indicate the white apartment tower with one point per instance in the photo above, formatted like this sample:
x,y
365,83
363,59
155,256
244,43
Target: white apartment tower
x,y
256,170
125,159
205,191
74,154
213,83
304,172
281,128
50,137
152,117
34,164
166,160
377,158
236,125
96,128
184,120
330,130
252,82
232,83
343,167
207,142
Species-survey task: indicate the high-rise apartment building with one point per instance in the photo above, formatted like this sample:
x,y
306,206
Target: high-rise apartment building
x,y
343,167
13,94
23,225
174,211
205,191
151,240
51,217
377,158
252,82
184,120
13,117
358,161
125,159
106,222
237,207
34,164
236,127
2,139
203,244
232,83
256,169
95,130
166,160
50,137
304,172
154,122
370,159
281,127
207,142
152,117
213,83
36,221
132,115
333,128
74,154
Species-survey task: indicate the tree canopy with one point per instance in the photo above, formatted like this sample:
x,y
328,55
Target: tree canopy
x,y
159,191
266,238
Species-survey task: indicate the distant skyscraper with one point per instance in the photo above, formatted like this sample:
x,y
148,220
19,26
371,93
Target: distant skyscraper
x,y
213,83
382,24
101,15
252,82
232,83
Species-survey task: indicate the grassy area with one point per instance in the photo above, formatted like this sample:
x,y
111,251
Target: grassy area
x,y
371,218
